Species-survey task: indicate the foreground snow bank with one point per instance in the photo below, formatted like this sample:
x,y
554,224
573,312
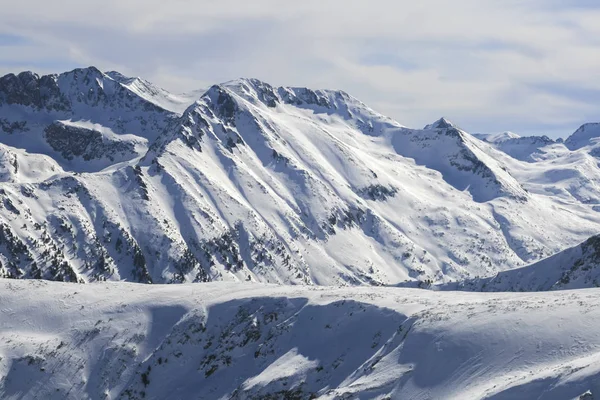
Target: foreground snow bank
x,y
241,341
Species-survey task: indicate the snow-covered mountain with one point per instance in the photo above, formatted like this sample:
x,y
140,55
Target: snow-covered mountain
x,y
105,177
84,119
253,341
584,136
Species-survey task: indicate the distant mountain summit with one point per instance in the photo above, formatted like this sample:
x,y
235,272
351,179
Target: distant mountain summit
x,y
441,123
584,136
497,137
527,148
108,177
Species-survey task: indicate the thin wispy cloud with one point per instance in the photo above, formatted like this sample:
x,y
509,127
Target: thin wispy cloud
x,y
530,67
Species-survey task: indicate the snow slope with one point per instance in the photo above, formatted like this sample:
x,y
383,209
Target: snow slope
x,y
104,179
251,341
574,268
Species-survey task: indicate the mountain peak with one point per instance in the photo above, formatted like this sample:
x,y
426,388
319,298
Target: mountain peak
x,y
27,76
90,71
254,82
441,123
583,136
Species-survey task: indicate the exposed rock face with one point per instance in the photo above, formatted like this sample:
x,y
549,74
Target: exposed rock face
x,y
29,89
89,144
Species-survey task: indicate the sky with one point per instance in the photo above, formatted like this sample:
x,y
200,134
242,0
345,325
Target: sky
x,y
531,67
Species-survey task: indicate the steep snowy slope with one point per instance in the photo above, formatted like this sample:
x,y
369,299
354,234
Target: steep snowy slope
x,y
250,341
258,183
319,179
574,268
257,126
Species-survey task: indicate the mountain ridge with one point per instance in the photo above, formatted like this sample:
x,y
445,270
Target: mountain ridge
x,y
271,184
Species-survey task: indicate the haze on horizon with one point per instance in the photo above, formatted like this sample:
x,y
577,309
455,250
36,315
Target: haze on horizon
x,y
488,65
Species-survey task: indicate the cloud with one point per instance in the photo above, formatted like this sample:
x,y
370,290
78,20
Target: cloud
x,y
490,65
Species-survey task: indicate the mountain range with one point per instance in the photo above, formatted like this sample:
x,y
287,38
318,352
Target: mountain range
x,y
107,177
302,228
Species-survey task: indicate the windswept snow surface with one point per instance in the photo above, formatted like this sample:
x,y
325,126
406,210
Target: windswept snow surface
x,y
253,341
